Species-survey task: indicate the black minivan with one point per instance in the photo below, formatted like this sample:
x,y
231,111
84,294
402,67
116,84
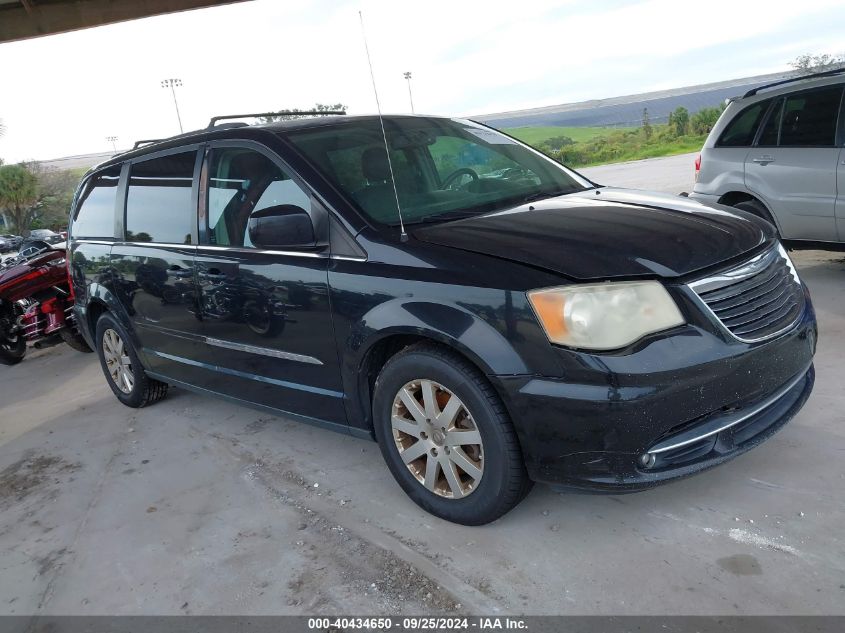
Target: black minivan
x,y
489,316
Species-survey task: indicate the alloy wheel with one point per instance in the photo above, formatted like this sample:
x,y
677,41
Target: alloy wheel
x,y
437,439
118,363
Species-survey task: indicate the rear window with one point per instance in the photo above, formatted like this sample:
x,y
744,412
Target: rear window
x,y
741,130
94,216
158,204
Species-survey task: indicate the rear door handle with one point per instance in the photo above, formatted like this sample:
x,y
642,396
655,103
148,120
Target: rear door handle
x,y
764,159
180,273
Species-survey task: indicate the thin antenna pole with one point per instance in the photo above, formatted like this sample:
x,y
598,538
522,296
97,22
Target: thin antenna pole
x,y
410,96
404,235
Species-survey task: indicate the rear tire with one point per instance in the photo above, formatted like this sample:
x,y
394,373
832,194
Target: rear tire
x,y
74,339
489,476
122,367
755,207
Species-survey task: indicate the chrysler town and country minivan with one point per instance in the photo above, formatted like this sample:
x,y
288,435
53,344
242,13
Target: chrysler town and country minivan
x,y
489,316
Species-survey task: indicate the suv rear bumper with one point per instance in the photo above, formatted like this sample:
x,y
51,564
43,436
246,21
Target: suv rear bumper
x,y
710,198
622,432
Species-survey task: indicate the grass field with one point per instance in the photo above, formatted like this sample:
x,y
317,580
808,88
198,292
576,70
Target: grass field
x,y
535,135
589,150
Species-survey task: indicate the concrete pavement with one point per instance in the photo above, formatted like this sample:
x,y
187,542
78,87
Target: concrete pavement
x,y
198,506
671,174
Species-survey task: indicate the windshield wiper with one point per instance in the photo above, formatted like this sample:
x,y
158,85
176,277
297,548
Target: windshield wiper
x,y
449,216
542,195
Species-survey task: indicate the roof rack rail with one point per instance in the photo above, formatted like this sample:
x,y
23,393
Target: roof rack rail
x,y
824,73
146,141
215,119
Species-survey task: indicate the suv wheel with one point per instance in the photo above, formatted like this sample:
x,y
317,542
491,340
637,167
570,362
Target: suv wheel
x,y
446,436
122,367
757,208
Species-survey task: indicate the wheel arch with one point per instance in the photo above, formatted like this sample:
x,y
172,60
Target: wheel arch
x,y
101,300
387,330
732,198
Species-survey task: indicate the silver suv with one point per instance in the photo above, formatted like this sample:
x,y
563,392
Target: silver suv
x,y
777,152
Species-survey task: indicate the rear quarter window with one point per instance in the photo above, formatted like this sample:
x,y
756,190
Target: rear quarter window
x,y
741,130
94,215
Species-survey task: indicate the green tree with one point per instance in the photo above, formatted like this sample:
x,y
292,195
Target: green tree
x,y
34,197
805,64
646,125
679,121
703,121
291,113
18,196
55,195
557,142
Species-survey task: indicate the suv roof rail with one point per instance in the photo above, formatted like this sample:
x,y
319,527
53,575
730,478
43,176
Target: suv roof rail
x,y
254,115
146,141
824,73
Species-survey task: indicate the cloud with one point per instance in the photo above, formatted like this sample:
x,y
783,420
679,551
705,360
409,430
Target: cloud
x,y
69,92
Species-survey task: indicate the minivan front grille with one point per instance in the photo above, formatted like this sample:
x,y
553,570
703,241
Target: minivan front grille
x,y
757,300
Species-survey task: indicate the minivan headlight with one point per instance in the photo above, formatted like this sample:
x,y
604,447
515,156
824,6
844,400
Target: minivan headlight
x,y
604,316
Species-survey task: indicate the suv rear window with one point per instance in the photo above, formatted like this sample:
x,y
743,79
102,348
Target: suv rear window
x,y
95,210
741,130
158,205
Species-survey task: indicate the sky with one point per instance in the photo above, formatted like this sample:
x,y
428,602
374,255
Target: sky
x,y
65,94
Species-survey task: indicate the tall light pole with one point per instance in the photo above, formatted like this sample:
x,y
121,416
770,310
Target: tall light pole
x,y
112,140
173,84
410,96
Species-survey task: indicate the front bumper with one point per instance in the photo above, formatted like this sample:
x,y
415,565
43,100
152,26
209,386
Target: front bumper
x,y
673,407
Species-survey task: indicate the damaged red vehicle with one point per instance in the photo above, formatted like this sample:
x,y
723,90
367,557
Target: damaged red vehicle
x,y
35,304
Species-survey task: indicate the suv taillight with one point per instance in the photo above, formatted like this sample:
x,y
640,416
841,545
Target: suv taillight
x,y
697,166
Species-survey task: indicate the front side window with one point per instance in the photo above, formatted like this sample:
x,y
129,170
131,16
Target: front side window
x,y
242,182
158,204
741,130
443,169
809,118
94,217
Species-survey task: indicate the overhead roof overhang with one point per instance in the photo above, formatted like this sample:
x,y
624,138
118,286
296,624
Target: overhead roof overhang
x,y
23,19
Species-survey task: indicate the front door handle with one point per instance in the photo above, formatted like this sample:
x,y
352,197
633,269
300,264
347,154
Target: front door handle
x,y
764,160
213,274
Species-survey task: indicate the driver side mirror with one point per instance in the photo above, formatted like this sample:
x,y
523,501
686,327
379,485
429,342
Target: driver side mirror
x,y
281,226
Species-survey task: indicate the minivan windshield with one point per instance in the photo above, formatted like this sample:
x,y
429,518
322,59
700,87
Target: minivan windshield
x,y
444,168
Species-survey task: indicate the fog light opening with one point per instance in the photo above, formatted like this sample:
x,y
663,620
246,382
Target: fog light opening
x,y
647,460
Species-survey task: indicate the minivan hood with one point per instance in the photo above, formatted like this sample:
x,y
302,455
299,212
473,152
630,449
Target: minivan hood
x,y
606,233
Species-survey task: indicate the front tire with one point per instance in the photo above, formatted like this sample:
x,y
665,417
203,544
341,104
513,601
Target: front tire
x,y
122,367
446,437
